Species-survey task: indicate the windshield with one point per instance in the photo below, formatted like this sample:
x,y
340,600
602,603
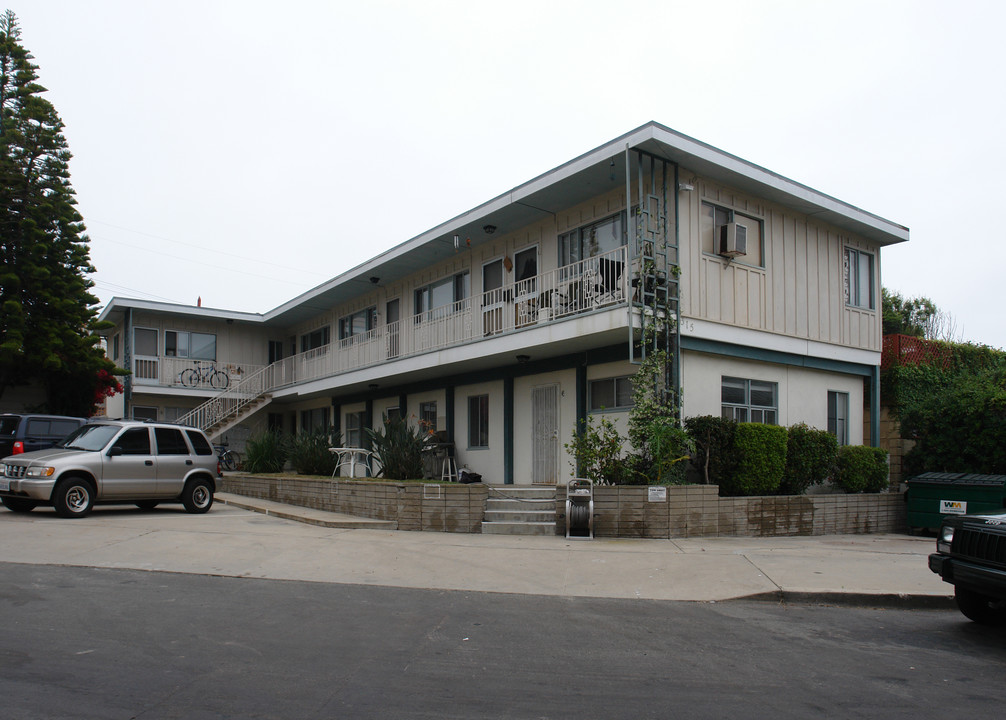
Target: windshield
x,y
90,437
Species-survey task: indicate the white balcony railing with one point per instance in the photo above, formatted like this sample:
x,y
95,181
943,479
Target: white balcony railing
x,y
592,284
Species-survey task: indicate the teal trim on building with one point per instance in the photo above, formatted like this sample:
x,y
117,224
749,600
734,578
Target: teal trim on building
x,y
508,431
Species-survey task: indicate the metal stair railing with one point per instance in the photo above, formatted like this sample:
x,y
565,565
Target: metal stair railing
x,y
228,403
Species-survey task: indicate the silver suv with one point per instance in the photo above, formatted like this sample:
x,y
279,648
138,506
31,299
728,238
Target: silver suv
x,y
114,461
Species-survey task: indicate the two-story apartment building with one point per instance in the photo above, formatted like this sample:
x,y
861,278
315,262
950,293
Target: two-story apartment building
x,y
506,326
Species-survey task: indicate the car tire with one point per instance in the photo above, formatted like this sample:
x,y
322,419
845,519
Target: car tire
x,y
73,497
19,505
147,504
979,608
197,497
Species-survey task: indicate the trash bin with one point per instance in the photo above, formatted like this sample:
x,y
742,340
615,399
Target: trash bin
x,y
933,495
580,508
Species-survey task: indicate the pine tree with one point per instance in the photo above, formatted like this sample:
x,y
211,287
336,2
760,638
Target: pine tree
x,y
48,317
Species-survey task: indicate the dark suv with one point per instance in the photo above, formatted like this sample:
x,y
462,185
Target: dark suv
x,y
114,461
971,556
25,432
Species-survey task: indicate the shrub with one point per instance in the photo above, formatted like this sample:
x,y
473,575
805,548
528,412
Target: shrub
x,y
861,469
668,450
714,447
309,452
399,448
810,458
265,453
597,452
761,460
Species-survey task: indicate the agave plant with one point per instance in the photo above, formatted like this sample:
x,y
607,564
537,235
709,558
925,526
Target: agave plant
x,y
399,448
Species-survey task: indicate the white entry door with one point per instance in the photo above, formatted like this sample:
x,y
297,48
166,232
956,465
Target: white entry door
x,y
545,443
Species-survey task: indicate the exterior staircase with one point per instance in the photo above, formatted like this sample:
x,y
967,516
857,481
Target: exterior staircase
x,y
520,510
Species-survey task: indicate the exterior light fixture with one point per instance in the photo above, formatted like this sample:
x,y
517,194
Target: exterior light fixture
x,y
522,359
490,229
375,280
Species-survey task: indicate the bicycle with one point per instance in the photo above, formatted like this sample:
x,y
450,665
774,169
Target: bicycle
x,y
193,376
229,460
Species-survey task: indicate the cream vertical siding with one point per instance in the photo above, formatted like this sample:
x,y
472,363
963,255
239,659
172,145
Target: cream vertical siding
x,y
800,290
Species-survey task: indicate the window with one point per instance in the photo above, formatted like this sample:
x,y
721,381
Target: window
x,y
135,441
141,412
859,279
315,420
478,421
526,269
145,342
314,340
170,442
199,442
750,400
359,323
428,416
198,346
838,416
711,223
610,394
393,414
592,240
354,429
442,295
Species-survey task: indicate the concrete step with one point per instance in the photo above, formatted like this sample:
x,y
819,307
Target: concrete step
x,y
519,515
518,528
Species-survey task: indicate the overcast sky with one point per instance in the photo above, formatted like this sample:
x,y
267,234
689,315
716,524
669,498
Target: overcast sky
x,y
244,152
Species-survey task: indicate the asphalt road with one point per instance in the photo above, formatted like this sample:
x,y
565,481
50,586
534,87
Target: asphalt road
x,y
100,643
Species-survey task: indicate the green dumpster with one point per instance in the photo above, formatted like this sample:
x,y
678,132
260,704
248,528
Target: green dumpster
x,y
933,495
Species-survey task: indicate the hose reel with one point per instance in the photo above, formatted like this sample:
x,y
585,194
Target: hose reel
x,y
580,508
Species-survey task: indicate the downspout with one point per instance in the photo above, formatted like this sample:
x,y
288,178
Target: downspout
x,y
875,406
127,362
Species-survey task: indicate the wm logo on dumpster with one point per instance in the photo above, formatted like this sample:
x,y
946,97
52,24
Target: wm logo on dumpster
x,y
953,507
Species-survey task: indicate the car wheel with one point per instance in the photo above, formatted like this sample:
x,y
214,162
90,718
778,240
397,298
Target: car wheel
x,y
146,504
979,608
73,498
19,505
197,497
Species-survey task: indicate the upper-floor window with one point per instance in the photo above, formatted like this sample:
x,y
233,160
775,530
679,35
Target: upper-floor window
x,y
715,221
439,298
750,400
316,339
592,240
859,289
613,393
359,323
198,346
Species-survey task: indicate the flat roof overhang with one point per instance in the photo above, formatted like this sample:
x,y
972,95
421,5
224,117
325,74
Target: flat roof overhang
x,y
594,173
589,175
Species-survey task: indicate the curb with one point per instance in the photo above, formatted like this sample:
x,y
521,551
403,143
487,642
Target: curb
x,y
895,601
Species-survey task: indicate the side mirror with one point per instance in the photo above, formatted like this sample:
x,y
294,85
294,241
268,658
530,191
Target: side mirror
x,y
114,450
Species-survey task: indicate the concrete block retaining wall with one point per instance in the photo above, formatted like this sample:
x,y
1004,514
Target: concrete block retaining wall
x,y
620,511
698,511
413,506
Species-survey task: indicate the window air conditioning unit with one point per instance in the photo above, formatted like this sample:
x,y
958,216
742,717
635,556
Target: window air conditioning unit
x,y
733,240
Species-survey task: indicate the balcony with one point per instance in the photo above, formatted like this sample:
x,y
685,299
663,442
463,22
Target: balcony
x,y
596,283
203,375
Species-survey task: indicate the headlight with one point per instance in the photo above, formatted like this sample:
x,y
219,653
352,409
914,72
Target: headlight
x,y
947,534
39,472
